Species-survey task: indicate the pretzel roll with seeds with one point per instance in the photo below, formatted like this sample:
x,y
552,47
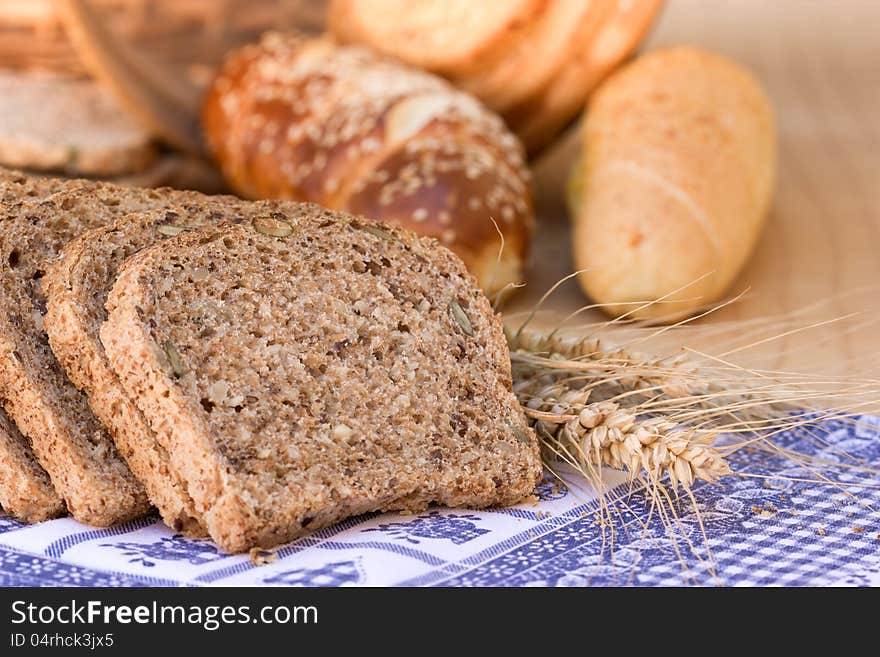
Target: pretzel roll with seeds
x,y
309,120
676,178
533,61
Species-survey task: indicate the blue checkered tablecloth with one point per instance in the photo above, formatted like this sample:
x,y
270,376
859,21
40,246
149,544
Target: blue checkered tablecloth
x,y
773,526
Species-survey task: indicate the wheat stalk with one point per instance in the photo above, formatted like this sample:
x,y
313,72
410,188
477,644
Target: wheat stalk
x,y
595,404
620,431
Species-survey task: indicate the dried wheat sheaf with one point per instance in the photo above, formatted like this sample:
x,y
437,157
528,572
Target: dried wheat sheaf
x,y
596,405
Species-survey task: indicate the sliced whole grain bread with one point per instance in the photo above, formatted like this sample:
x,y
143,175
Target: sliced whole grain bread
x,y
26,492
59,123
311,365
171,170
76,290
70,444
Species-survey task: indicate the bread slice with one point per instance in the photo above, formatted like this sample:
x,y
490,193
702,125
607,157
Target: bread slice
x,y
84,466
60,123
76,290
170,170
26,491
311,365
517,73
17,186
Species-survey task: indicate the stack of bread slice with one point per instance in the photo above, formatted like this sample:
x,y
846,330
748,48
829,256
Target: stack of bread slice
x,y
254,370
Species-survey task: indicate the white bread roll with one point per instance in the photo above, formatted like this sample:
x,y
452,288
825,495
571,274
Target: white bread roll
x,y
679,163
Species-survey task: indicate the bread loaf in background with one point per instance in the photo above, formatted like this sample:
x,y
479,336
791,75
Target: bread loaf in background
x,y
309,120
68,125
533,61
676,178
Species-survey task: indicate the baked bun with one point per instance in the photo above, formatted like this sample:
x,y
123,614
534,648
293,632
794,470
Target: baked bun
x,y
310,120
533,61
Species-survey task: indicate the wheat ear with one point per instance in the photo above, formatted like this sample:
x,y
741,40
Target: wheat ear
x,y
596,404
604,434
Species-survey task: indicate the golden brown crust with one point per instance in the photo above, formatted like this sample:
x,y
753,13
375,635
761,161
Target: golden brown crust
x,y
278,410
523,68
612,32
441,36
537,72
311,121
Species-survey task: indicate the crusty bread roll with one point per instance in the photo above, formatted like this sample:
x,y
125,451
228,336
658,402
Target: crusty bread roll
x,y
444,36
610,32
339,126
64,124
534,61
676,179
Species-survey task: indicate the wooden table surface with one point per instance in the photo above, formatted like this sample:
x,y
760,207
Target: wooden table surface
x,y
818,256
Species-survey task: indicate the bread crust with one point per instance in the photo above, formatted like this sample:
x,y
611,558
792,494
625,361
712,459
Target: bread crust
x,y
679,152
536,74
26,492
441,36
610,35
25,489
518,74
80,458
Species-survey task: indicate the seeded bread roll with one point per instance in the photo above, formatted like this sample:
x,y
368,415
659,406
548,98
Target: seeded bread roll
x,y
76,290
535,63
312,121
313,366
81,460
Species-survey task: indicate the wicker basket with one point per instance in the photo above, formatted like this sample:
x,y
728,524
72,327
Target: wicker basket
x,y
186,33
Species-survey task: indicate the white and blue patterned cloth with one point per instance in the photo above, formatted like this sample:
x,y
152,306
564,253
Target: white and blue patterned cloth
x,y
776,527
